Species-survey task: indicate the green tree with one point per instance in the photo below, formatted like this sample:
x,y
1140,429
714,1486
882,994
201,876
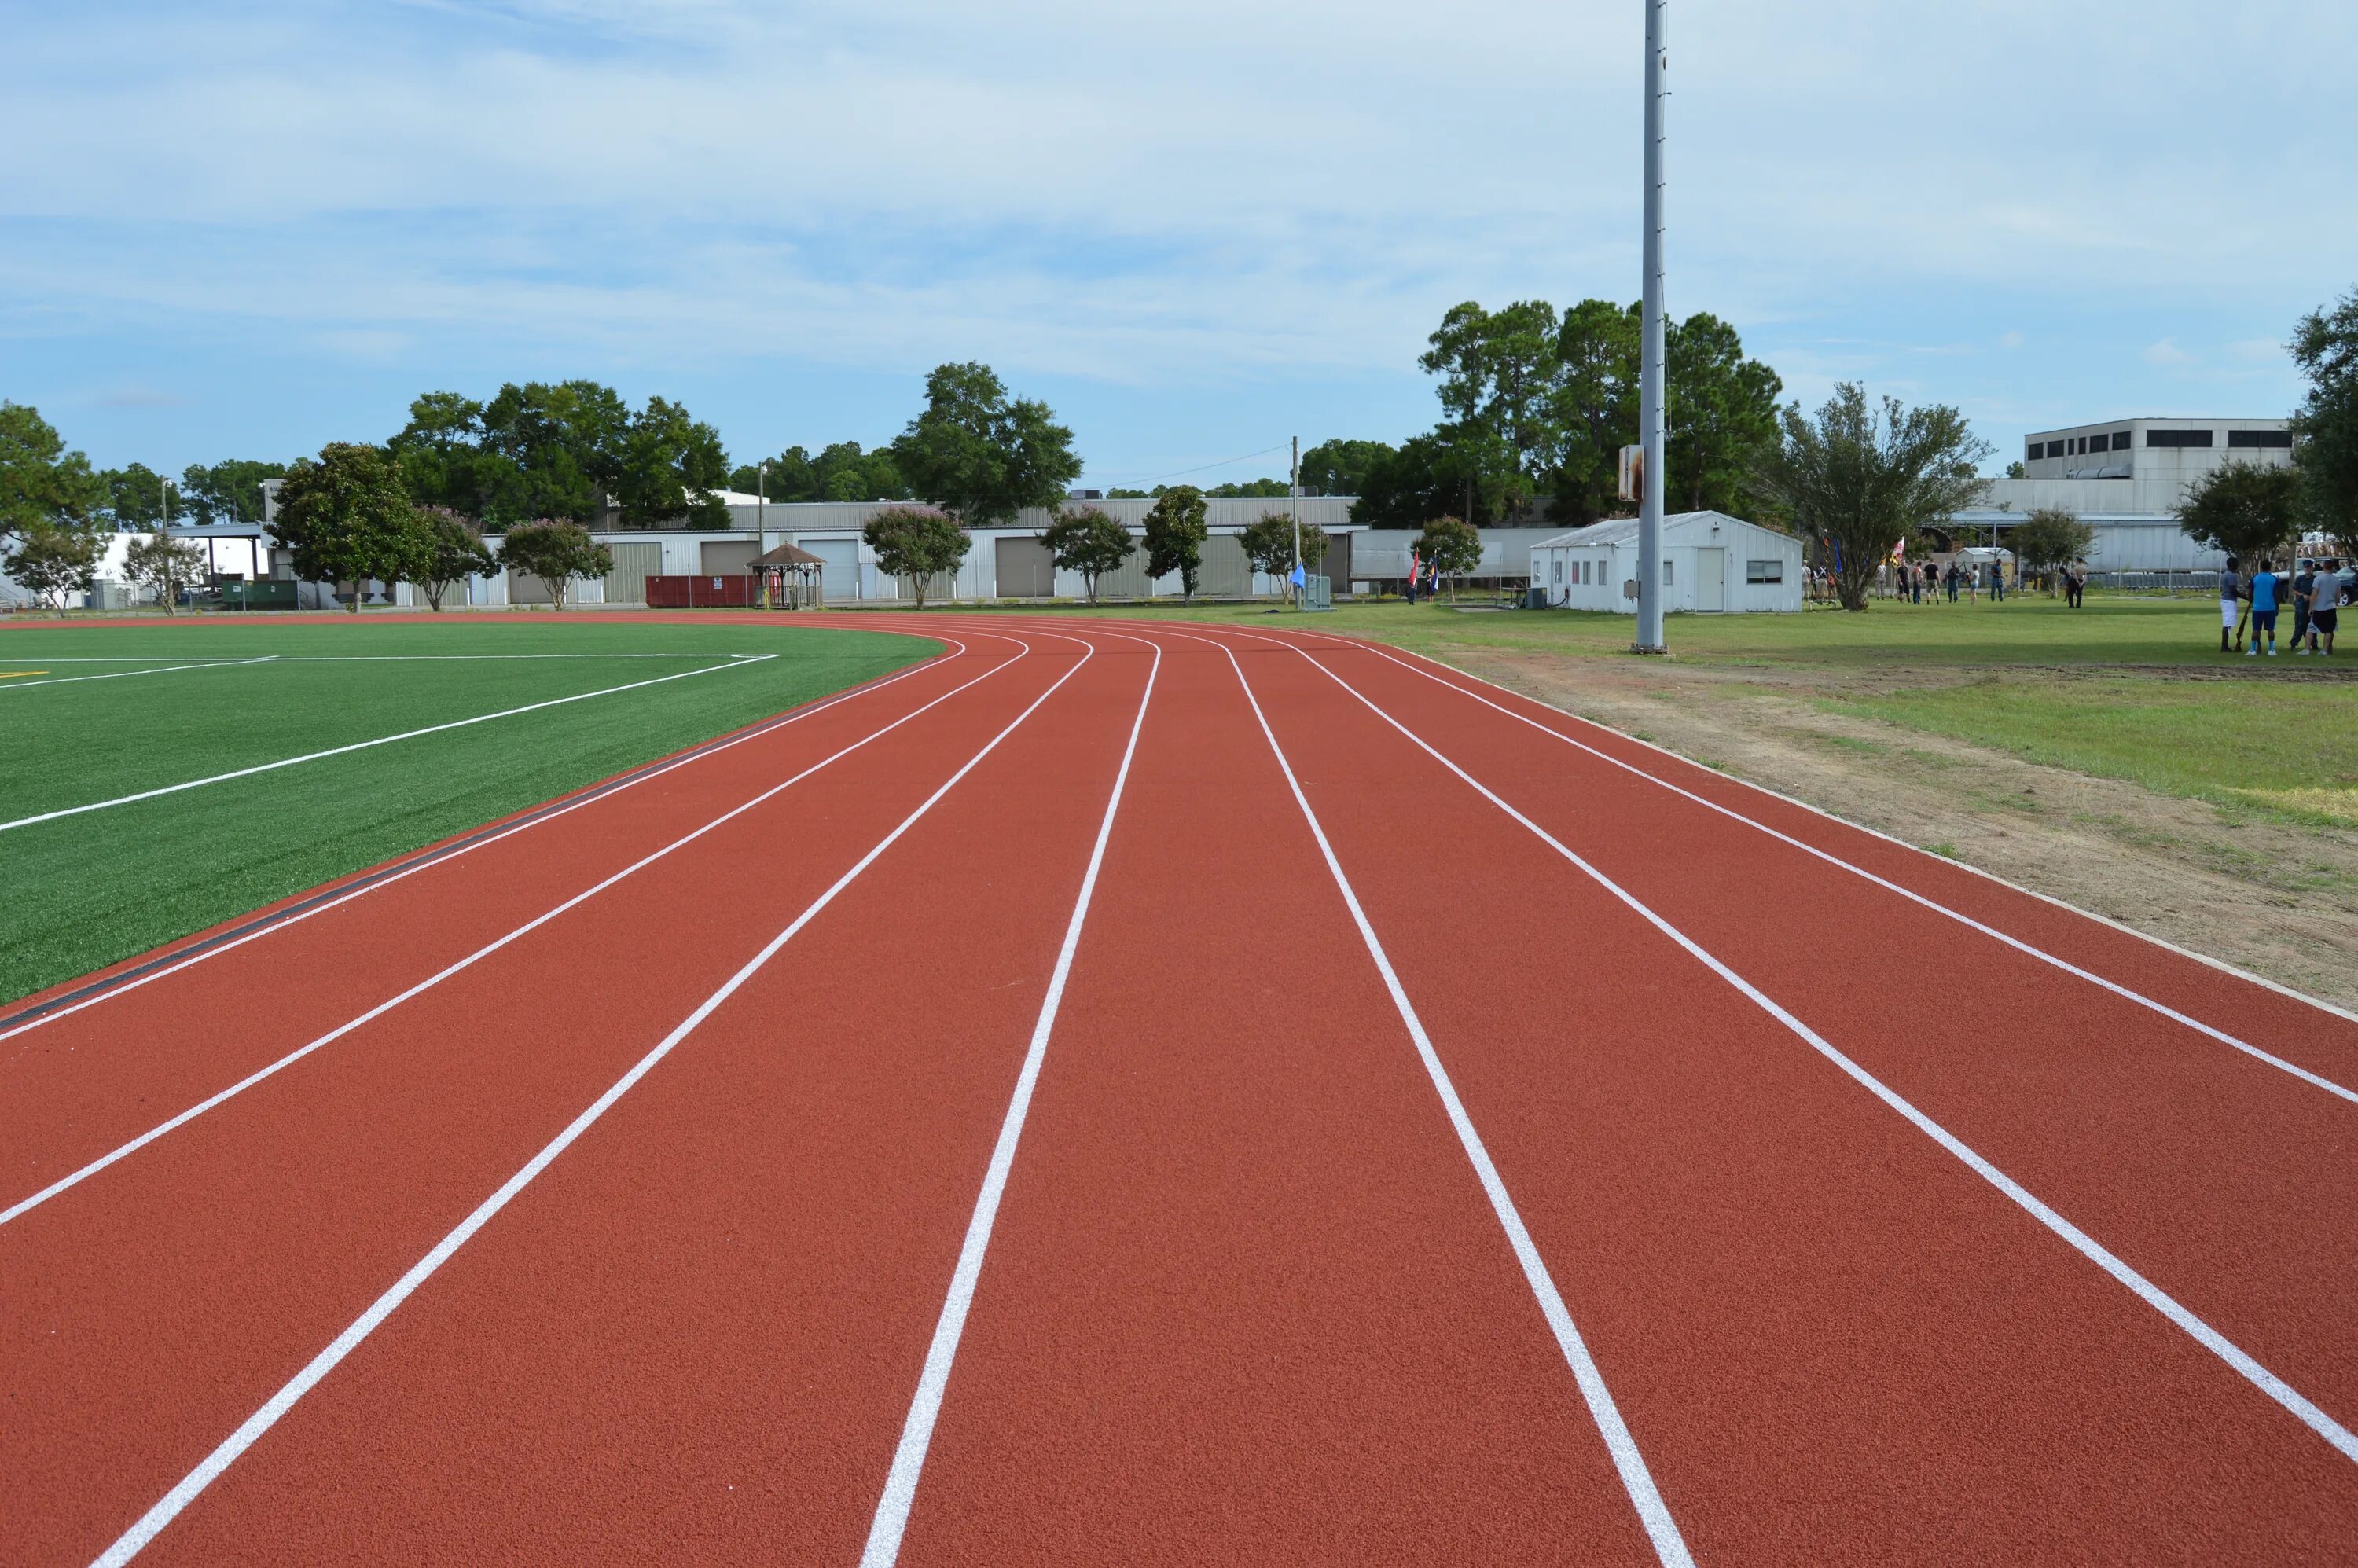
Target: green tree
x,y
558,552
164,566
55,559
2050,538
1430,476
552,448
41,483
1862,479
1085,540
841,472
2325,346
1176,533
1596,407
914,543
1722,416
672,465
1498,371
1250,489
227,491
135,496
1451,547
454,552
2249,510
346,518
443,458
1340,467
981,455
1269,541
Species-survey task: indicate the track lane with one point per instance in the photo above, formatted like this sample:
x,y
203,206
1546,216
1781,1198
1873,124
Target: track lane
x,y
150,1310
2229,1183
73,1087
1841,1345
693,1334
1246,1300
2313,1036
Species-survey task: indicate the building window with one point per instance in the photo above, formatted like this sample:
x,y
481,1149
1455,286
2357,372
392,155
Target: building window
x,y
2259,438
2178,437
2034,451
1764,571
1559,571
1666,574
2120,440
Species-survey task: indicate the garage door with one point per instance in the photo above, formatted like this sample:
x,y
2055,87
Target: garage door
x,y
1337,563
1026,570
525,588
839,572
633,564
729,557
1227,574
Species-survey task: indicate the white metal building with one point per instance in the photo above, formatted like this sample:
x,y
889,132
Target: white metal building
x,y
1712,564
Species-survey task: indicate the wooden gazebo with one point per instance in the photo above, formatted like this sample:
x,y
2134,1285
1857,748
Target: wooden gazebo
x,y
791,579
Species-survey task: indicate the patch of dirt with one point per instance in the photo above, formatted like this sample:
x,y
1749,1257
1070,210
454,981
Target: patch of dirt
x,y
2277,899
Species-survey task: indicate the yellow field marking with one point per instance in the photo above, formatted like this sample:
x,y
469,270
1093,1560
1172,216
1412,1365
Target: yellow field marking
x,y
10,674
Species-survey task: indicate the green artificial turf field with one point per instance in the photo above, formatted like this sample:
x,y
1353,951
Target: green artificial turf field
x,y
80,891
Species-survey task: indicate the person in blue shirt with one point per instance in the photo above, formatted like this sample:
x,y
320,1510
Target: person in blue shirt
x,y
2264,609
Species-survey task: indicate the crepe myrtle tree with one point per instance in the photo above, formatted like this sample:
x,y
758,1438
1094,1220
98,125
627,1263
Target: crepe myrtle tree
x,y
557,552
1268,542
2249,510
1450,547
914,543
164,566
55,559
1175,532
454,552
1085,540
2049,539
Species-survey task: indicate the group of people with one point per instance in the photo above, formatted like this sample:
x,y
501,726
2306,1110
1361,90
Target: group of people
x,y
2316,591
1925,582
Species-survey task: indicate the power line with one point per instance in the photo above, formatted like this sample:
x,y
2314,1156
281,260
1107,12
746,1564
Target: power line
x,y
1224,462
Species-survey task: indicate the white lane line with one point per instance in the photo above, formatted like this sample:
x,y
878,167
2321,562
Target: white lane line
x,y
192,1485
428,860
1669,1546
892,1520
2211,1339
380,741
127,674
380,1010
199,659
2116,987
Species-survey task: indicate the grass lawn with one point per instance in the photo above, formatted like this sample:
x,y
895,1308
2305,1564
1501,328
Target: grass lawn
x,y
2130,686
82,890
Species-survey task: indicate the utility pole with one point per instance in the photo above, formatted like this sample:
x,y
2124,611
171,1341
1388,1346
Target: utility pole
x,y
1651,413
1294,489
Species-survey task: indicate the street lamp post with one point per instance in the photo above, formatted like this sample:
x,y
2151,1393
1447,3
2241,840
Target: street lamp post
x,y
1651,413
1294,489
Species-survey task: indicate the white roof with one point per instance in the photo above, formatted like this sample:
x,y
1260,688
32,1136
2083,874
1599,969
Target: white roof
x,y
1624,530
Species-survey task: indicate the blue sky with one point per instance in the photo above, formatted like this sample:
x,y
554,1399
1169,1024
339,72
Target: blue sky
x,y
1194,228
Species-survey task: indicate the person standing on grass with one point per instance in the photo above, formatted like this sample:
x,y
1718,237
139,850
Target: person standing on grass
x,y
2264,609
2304,583
2231,594
2075,585
2324,606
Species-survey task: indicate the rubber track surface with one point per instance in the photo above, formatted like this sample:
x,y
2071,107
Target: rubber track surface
x,y
1246,1298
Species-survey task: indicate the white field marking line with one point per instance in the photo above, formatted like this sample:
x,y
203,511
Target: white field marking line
x,y
2210,1338
2114,987
127,674
347,659
427,860
381,1009
734,664
210,1469
892,1520
1669,1546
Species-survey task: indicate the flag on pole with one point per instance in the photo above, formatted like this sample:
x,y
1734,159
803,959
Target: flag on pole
x,y
1297,577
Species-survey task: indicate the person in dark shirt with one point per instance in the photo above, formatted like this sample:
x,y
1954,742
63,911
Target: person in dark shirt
x,y
2304,580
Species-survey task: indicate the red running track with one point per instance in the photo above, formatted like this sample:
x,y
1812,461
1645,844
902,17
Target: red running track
x,y
1126,1092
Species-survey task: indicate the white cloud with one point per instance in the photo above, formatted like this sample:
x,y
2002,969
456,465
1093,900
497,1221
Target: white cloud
x,y
2167,353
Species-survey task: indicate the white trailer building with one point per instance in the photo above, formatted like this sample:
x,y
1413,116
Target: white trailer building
x,y
1712,564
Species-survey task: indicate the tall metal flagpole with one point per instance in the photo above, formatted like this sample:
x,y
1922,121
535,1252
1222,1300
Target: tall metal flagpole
x,y
1650,414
